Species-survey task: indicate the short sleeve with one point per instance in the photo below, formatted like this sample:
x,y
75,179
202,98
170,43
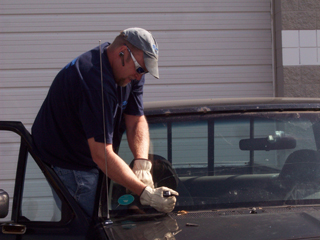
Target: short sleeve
x,y
91,115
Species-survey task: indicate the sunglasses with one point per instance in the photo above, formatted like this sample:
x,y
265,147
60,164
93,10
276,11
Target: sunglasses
x,y
139,69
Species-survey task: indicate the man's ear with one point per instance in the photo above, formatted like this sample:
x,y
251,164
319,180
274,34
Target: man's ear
x,y
122,48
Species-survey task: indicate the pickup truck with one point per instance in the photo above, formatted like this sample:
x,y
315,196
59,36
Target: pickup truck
x,y
244,169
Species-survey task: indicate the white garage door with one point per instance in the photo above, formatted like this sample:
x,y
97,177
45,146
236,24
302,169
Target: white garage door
x,y
208,49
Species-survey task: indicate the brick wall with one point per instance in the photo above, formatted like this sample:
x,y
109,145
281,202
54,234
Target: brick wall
x,y
297,31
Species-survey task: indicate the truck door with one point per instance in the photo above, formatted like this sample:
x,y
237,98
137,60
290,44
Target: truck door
x,y
41,207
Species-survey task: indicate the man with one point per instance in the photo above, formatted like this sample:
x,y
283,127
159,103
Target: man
x,y
73,124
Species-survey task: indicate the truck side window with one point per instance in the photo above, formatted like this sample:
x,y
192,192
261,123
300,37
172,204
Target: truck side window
x,y
39,202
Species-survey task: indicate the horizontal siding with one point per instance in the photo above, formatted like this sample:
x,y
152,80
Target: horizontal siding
x,y
217,74
220,57
114,22
187,48
37,39
123,6
32,80
8,166
212,48
9,150
21,104
20,99
163,92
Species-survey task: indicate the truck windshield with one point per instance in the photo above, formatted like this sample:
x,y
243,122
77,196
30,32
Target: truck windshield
x,y
231,160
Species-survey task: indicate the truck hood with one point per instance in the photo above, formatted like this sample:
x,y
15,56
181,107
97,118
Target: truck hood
x,y
273,223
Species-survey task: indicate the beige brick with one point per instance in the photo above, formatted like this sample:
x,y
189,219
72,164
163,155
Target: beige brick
x,y
318,20
309,5
310,74
292,75
312,90
295,90
299,20
289,5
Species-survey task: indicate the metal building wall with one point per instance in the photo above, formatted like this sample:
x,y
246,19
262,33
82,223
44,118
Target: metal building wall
x,y
208,49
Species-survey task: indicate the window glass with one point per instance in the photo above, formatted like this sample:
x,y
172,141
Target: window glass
x,y
299,129
9,153
158,143
190,144
225,160
124,150
158,139
38,202
227,134
264,128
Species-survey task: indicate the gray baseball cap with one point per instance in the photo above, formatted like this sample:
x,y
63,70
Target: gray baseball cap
x,y
143,40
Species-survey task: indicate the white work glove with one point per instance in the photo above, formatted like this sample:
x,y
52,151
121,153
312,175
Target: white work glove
x,y
142,168
154,198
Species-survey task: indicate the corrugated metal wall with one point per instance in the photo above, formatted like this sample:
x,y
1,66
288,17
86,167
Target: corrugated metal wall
x,y
211,48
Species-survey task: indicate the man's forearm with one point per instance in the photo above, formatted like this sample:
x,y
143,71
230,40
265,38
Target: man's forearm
x,y
121,173
117,169
138,135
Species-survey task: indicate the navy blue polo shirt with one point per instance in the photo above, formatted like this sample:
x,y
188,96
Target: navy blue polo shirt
x,y
72,111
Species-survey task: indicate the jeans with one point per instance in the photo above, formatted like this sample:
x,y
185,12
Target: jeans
x,y
82,185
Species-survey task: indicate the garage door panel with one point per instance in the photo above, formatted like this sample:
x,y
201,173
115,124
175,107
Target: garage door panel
x,y
83,40
200,48
60,45
208,74
196,91
181,57
123,6
169,75
27,78
156,22
208,49
21,104
23,82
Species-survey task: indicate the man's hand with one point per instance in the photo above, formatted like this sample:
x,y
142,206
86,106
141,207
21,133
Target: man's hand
x,y
142,168
155,198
